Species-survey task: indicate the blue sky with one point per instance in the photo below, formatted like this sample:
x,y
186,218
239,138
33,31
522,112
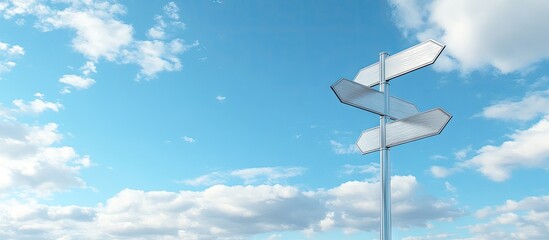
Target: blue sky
x,y
215,120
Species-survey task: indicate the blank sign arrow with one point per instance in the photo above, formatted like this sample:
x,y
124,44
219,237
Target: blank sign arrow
x,y
368,99
411,59
409,129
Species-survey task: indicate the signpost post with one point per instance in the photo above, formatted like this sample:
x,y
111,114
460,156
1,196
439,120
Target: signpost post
x,y
409,125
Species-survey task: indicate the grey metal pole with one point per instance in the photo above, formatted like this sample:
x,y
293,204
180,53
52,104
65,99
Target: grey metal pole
x,y
385,232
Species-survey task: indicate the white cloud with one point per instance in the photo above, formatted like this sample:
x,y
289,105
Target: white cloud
x,y
171,10
156,33
156,56
220,98
13,8
529,107
356,205
339,148
263,175
39,95
223,212
29,161
88,68
526,149
462,153
189,139
36,106
370,168
442,172
450,187
7,54
207,180
502,34
438,157
28,220
524,219
77,81
100,34
407,14
268,174
442,236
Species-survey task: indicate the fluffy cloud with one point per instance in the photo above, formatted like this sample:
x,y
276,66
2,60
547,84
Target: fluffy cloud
x,y
504,34
30,163
34,221
524,219
77,82
156,56
88,68
7,54
224,212
527,148
355,205
216,213
36,106
100,34
189,139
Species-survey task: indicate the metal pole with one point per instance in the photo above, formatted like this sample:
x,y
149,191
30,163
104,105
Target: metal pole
x,y
385,233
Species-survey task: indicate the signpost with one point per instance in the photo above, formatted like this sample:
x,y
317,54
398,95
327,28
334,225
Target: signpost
x,y
409,125
411,59
363,97
406,130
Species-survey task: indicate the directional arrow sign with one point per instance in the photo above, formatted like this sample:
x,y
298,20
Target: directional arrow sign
x,y
409,60
363,97
409,129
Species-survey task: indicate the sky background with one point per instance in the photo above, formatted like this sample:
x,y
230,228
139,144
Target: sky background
x,y
214,119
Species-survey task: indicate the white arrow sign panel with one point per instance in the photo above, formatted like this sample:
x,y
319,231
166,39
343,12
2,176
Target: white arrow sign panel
x,y
368,99
406,61
409,129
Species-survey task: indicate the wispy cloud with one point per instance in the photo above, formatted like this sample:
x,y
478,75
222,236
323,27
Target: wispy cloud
x,y
36,106
189,139
529,107
206,180
340,148
220,98
262,175
371,168
463,153
267,174
450,187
